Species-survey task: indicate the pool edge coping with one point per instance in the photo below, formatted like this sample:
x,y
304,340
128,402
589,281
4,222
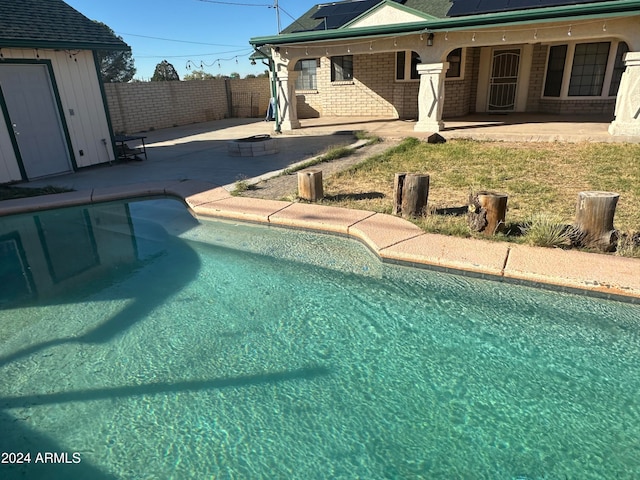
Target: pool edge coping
x,y
391,238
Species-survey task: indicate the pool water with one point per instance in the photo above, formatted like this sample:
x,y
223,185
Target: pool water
x,y
155,346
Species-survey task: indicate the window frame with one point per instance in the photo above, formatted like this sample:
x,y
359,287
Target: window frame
x,y
313,76
334,72
568,70
408,68
463,56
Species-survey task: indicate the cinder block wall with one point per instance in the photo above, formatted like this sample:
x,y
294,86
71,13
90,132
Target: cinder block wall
x,y
144,106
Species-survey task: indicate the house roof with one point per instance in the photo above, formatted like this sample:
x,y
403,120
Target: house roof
x,y
314,19
595,9
52,24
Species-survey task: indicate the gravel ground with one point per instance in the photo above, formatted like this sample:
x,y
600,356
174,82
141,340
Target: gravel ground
x,y
286,186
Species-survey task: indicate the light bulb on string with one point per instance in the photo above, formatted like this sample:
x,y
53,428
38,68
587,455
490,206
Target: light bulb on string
x,y
569,32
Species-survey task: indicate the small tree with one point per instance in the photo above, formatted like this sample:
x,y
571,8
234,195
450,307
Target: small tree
x,y
115,66
234,75
198,75
165,72
264,74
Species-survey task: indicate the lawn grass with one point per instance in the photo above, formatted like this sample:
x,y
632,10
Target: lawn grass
x,y
537,177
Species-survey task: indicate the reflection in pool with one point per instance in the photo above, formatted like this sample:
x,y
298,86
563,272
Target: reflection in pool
x,y
157,346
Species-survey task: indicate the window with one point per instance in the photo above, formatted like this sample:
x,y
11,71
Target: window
x,y
618,69
589,67
455,64
407,70
342,68
555,70
307,79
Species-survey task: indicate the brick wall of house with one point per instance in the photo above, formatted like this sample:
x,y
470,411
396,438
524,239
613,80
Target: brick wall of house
x,y
578,107
143,106
370,94
460,95
536,81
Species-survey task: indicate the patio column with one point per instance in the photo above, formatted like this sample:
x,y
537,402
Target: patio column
x,y
627,117
287,104
431,97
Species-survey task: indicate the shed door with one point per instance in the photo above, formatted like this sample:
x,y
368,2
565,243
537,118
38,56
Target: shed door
x,y
35,119
504,80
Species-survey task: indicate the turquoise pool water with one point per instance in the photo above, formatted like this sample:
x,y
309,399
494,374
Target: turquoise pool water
x,y
156,347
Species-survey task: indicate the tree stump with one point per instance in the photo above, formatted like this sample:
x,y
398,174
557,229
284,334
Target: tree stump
x,y
310,185
487,212
594,220
410,194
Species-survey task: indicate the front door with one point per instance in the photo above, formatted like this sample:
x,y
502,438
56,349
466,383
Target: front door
x,y
35,119
504,80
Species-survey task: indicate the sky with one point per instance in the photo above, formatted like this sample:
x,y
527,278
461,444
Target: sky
x,y
192,33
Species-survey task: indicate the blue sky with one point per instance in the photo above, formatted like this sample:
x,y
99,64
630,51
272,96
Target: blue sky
x,y
217,31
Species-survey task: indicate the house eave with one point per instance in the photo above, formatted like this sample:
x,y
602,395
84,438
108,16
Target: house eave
x,y
612,8
62,44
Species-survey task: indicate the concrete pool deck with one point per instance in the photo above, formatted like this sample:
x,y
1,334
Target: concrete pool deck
x,y
391,238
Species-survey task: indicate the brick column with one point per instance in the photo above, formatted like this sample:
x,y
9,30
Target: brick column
x,y
627,117
431,97
287,102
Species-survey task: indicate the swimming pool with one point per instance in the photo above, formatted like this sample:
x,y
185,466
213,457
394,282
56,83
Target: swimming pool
x,y
151,345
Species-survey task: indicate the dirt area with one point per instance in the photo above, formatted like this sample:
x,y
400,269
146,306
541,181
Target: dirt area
x,y
286,186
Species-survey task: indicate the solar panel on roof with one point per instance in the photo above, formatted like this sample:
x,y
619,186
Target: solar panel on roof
x,y
335,15
475,7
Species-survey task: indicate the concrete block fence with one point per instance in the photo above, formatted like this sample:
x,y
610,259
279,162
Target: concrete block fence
x,y
144,106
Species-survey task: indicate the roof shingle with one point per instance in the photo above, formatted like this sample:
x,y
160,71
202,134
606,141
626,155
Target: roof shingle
x,y
52,24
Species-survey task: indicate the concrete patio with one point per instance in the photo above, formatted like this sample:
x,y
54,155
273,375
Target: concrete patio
x,y
199,151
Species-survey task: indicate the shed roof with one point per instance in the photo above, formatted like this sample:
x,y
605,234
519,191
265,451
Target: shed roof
x,y
52,24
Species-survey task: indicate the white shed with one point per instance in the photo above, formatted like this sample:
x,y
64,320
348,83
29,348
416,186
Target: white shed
x,y
53,113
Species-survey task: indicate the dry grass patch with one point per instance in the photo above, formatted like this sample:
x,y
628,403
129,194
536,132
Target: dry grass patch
x,y
538,177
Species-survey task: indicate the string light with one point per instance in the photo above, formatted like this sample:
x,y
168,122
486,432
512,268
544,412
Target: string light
x,y
535,34
395,42
371,46
446,36
604,27
473,39
504,37
306,52
569,32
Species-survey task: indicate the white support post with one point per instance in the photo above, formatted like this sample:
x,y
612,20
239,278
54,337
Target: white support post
x,y
287,102
431,97
627,117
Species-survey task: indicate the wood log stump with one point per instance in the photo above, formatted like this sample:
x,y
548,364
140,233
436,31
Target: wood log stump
x,y
487,212
310,185
594,220
410,194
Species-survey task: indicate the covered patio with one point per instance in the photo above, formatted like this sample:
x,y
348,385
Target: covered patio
x,y
564,72
520,127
